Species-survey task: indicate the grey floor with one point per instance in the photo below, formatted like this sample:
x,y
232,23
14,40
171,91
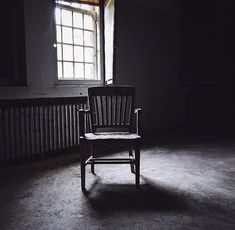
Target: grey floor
x,y
184,185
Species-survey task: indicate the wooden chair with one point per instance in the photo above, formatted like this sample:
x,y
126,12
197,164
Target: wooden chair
x,y
112,120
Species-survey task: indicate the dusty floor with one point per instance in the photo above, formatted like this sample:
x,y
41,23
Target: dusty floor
x,y
184,185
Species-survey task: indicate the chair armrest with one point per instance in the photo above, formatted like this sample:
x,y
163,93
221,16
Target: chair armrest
x,y
138,114
138,110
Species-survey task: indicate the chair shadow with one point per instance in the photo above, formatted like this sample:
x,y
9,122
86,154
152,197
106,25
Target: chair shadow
x,y
105,198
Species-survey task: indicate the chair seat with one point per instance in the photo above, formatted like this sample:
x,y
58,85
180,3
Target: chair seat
x,y
111,136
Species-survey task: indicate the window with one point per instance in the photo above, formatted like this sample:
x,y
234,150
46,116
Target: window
x,y
77,42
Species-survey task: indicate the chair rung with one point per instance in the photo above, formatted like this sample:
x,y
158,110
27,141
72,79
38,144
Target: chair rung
x,y
110,161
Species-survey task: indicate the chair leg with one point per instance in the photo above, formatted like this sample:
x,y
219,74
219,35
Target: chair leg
x,y
83,165
131,155
92,168
137,165
92,163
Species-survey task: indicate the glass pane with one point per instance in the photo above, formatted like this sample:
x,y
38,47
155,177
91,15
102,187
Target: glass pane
x,y
77,20
89,71
68,70
58,33
66,17
67,35
68,52
57,15
88,22
59,52
78,37
89,55
78,53
59,69
79,70
88,38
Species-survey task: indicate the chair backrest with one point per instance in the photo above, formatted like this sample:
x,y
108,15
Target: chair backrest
x,y
111,108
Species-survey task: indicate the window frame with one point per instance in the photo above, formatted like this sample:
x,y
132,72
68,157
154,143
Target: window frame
x,y
99,55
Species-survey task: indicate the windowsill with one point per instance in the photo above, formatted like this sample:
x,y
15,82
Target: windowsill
x,y
78,84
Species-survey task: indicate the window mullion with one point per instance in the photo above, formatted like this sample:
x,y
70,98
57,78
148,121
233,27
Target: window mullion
x,y
62,52
95,50
83,40
73,47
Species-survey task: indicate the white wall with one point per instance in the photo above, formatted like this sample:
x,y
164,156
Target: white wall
x,y
39,56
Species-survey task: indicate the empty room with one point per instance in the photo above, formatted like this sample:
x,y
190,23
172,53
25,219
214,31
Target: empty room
x,y
117,114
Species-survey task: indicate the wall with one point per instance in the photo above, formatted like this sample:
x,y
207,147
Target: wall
x,y
39,56
207,69
147,56
179,55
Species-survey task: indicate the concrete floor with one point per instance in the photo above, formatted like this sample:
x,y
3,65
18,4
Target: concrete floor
x,y
184,185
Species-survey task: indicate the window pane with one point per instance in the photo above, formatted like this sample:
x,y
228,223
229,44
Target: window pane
x,y
79,70
89,55
58,33
59,52
66,17
88,22
78,53
57,16
77,20
59,69
89,71
88,38
78,37
68,52
67,35
68,70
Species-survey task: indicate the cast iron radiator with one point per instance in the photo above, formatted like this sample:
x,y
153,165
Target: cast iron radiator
x,y
36,127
